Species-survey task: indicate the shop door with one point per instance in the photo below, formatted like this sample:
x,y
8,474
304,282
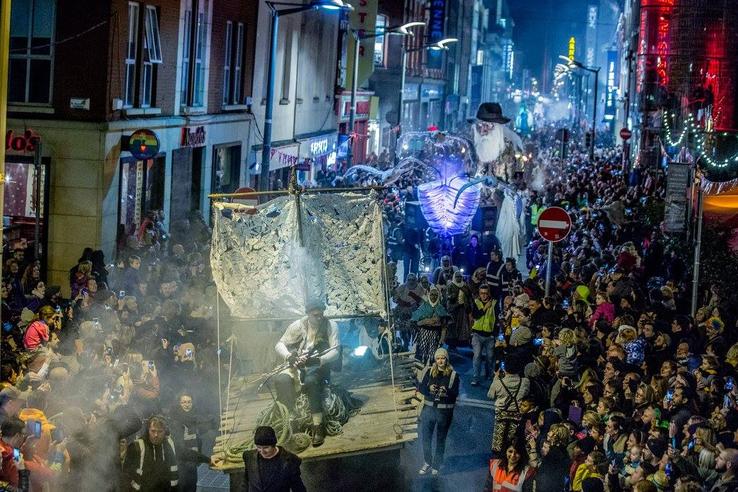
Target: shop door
x,y
181,202
26,193
197,188
141,191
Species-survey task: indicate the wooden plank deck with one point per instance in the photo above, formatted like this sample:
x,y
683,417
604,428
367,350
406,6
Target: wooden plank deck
x,y
377,426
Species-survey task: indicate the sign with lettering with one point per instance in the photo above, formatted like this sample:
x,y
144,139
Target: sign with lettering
x,y
611,88
316,147
362,19
436,31
193,137
22,142
572,47
592,17
143,144
363,107
675,209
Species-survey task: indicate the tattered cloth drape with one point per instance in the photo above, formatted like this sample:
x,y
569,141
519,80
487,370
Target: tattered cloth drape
x,y
262,272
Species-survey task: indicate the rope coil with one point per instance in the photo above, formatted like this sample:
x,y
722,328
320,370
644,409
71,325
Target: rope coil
x,y
294,429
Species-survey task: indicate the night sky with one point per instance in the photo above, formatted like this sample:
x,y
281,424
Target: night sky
x,y
540,23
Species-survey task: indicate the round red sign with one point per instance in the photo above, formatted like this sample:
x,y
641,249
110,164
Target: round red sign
x,y
554,224
625,134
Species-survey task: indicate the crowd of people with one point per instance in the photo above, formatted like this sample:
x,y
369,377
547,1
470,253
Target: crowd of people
x,y
604,383
108,388
607,382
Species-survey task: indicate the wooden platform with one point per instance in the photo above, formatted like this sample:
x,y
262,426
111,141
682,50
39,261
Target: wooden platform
x,y
377,426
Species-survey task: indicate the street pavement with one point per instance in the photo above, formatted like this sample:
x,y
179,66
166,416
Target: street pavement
x,y
464,469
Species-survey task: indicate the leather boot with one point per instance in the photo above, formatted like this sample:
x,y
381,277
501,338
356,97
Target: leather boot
x,y
318,435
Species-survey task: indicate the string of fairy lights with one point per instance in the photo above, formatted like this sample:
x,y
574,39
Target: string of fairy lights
x,y
691,128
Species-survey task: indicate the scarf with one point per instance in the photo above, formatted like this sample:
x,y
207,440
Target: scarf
x,y
438,298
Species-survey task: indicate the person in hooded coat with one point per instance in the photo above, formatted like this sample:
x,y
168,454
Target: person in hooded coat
x,y
431,318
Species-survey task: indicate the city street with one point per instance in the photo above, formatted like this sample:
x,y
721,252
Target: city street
x,y
272,246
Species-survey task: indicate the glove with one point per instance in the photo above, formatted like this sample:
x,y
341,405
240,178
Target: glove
x,y
312,361
292,358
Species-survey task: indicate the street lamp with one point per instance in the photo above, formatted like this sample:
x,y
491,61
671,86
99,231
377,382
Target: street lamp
x,y
596,71
358,36
277,12
437,46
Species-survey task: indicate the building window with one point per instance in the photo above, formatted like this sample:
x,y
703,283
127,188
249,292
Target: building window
x,y
380,26
227,63
31,51
233,65
238,65
149,56
287,67
193,54
129,91
153,47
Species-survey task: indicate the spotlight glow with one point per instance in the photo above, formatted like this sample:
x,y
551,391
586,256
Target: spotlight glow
x,y
360,351
437,204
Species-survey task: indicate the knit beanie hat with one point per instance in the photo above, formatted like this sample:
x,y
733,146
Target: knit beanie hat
x,y
441,352
657,447
265,436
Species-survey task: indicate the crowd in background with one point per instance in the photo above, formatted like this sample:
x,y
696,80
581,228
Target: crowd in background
x,y
106,389
607,383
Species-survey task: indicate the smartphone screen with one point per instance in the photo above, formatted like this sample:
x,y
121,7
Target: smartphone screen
x,y
575,414
16,454
33,427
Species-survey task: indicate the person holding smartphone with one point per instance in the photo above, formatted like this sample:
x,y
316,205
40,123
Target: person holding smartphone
x,y
13,470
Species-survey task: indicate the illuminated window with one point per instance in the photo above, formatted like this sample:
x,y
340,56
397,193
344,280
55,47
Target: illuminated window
x,y
31,51
379,44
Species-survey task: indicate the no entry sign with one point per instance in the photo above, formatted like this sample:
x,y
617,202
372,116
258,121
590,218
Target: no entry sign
x,y
625,134
554,224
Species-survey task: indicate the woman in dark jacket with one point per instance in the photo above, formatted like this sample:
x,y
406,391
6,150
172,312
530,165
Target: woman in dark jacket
x,y
554,461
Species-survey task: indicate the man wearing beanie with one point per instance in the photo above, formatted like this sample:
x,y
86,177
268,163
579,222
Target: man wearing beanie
x,y
270,468
439,385
300,346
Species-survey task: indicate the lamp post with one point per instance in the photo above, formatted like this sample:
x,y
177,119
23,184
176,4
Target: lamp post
x,y
277,12
437,46
359,36
596,72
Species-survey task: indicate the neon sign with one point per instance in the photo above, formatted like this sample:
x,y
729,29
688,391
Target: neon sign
x,y
572,47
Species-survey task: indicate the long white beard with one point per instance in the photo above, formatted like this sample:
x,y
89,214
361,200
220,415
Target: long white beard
x,y
489,147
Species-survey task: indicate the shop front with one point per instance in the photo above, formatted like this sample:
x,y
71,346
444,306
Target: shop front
x,y
361,122
431,106
410,107
284,155
25,212
317,155
226,171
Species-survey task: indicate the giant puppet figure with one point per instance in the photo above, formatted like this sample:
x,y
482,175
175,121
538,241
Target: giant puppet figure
x,y
495,144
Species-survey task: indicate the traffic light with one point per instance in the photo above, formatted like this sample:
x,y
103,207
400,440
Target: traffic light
x,y
588,140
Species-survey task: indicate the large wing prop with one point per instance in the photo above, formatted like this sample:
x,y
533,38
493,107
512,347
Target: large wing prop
x,y
489,181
